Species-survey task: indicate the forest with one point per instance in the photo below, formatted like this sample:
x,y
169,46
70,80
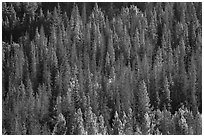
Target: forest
x,y
101,68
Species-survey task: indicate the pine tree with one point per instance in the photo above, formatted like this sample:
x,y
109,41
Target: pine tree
x,y
143,104
198,124
79,127
91,122
33,110
166,122
102,129
117,125
84,15
167,93
19,62
182,66
33,63
193,82
76,23
111,50
127,122
60,126
146,124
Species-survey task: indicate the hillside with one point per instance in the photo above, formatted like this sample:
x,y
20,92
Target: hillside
x,y
82,68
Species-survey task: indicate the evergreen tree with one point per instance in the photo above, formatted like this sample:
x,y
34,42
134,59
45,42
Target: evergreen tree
x,y
102,129
117,125
167,93
91,125
193,80
79,129
143,103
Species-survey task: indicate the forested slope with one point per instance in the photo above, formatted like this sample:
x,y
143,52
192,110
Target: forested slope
x,y
120,71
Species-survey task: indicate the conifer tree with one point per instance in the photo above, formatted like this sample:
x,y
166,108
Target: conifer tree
x,y
60,128
84,15
165,122
19,61
76,23
91,125
130,121
167,93
79,127
193,82
117,125
143,101
146,124
102,129
198,124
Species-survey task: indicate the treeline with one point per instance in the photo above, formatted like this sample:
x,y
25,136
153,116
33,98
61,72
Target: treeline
x,y
23,17
134,72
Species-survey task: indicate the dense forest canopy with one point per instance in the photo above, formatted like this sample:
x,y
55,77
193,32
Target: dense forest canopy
x,y
101,68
